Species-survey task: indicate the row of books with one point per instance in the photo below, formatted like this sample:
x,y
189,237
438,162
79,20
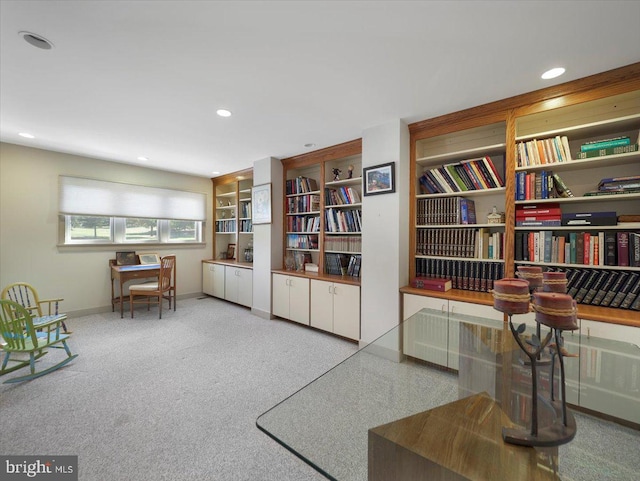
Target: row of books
x,y
301,185
303,203
245,209
605,248
556,149
341,196
551,150
445,211
226,226
465,275
540,185
463,176
467,243
617,289
246,225
302,241
343,264
338,220
345,243
303,223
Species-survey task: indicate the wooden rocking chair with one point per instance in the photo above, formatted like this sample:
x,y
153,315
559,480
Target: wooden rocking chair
x,y
26,295
21,335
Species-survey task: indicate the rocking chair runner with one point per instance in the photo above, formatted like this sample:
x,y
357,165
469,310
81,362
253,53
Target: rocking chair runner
x,y
22,335
162,289
26,295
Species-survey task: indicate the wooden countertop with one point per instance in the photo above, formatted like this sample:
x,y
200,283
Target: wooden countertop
x,y
354,281
229,262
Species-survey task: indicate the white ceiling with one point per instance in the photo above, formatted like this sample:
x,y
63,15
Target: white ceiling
x,y
144,78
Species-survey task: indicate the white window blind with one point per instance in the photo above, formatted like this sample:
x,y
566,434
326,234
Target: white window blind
x,y
80,196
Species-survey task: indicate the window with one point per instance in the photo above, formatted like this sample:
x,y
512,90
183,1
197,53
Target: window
x,y
98,212
89,228
141,230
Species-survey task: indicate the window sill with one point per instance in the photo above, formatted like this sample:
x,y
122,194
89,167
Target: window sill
x,y
125,247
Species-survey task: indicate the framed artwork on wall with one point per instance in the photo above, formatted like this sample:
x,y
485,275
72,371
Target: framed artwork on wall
x,y
379,179
261,204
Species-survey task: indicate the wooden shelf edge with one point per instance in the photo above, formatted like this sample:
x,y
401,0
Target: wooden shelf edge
x,y
354,281
229,262
473,297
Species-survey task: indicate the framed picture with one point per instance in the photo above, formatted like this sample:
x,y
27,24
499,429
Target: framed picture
x,y
379,179
149,258
127,258
261,204
231,251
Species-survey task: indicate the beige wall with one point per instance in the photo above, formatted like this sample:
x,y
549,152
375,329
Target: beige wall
x,y
29,249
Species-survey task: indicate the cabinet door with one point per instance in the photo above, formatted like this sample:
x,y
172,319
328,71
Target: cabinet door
x,y
231,284
346,311
207,278
218,280
245,287
322,305
413,303
280,301
299,300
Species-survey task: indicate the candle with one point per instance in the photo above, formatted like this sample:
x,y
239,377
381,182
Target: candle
x,y
533,274
511,296
554,282
555,310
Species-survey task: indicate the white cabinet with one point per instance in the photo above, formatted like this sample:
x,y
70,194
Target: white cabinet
x,y
213,279
335,308
291,298
238,283
439,344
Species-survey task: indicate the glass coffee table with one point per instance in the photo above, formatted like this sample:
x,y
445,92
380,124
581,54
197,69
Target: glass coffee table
x,y
430,397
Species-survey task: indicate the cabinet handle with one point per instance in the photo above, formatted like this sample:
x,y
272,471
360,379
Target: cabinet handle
x,y
442,310
334,290
329,289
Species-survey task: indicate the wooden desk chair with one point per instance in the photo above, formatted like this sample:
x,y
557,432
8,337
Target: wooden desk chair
x,y
27,296
164,288
22,335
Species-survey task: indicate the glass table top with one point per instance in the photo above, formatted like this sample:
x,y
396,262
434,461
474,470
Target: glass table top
x,y
433,360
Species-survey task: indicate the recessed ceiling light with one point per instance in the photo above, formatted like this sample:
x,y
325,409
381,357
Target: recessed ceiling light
x,y
553,73
144,159
36,40
308,146
215,172
223,113
26,135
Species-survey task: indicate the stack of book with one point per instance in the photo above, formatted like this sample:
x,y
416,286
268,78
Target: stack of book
x,y
534,215
445,211
467,175
343,264
619,289
301,185
341,196
604,147
540,185
606,248
465,275
617,185
545,151
300,223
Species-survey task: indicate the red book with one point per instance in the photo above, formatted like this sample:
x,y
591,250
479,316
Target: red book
x,y
622,241
538,209
432,283
587,248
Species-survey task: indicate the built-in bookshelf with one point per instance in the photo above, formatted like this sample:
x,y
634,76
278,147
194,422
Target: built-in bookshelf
x,y
582,233
563,148
459,200
323,211
232,208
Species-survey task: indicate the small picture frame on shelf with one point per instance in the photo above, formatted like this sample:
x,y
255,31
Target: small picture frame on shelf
x,y
231,251
261,204
149,258
126,258
379,179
